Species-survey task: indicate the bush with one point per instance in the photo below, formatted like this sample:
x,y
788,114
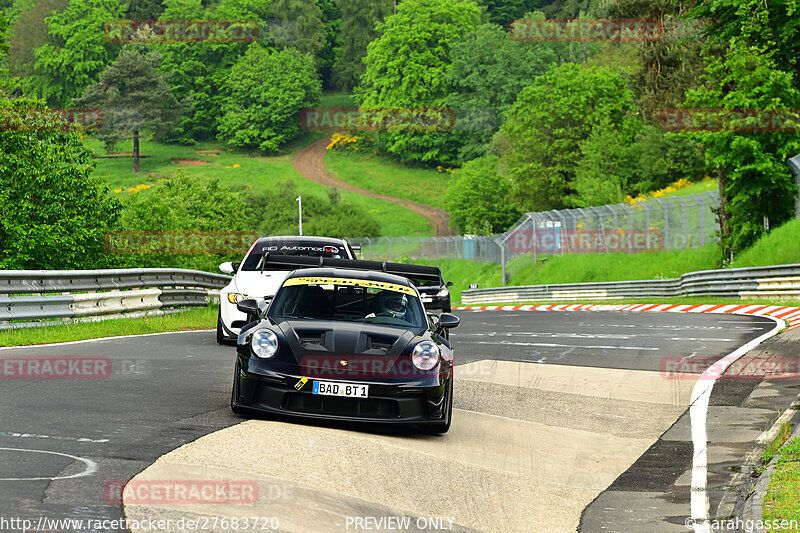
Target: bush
x,y
54,212
477,198
265,93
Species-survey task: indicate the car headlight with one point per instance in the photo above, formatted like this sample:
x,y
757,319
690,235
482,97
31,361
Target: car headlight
x,y
442,293
235,297
264,343
425,355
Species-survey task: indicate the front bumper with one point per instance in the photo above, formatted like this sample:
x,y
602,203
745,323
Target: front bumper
x,y
431,301
394,403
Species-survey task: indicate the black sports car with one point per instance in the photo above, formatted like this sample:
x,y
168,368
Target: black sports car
x,y
347,344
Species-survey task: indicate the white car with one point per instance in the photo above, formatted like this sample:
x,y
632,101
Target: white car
x,y
251,281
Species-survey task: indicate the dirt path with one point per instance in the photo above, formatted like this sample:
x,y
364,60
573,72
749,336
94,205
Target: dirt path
x,y
310,162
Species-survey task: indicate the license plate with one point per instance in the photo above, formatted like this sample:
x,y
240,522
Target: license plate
x,y
426,299
340,389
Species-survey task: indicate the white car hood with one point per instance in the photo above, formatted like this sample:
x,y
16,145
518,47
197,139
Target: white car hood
x,y
257,285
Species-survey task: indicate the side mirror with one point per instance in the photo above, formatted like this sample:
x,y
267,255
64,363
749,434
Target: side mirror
x,y
448,321
235,266
449,284
226,268
248,306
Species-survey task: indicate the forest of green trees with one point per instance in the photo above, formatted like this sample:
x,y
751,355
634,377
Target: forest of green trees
x,y
540,125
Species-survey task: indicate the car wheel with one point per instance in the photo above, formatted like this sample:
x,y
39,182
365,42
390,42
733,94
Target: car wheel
x,y
448,309
442,427
220,332
235,391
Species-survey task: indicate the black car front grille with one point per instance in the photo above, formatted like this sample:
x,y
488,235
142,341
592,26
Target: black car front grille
x,y
335,405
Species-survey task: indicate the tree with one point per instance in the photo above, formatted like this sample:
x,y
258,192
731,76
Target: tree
x,y
78,50
754,180
487,73
671,64
359,20
300,25
197,73
55,212
542,136
504,12
264,95
144,9
332,23
767,24
29,32
133,96
3,49
477,198
406,67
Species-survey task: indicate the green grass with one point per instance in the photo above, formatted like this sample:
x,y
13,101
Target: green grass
x,y
699,187
694,300
780,246
336,99
784,432
782,501
193,319
384,176
584,268
259,172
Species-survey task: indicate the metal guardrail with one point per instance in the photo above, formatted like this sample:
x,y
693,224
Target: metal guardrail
x,y
756,282
97,294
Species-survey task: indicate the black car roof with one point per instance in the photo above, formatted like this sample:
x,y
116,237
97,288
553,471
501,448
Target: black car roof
x,y
347,273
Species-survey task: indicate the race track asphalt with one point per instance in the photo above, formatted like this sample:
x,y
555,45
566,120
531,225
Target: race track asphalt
x,y
64,442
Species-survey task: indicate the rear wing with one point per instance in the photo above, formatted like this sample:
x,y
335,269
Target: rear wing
x,y
414,273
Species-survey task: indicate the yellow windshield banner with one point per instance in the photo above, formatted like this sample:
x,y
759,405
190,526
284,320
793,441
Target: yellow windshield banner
x,y
351,282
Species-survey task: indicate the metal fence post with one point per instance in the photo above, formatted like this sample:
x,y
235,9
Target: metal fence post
x,y
389,252
666,223
502,262
370,247
406,239
683,220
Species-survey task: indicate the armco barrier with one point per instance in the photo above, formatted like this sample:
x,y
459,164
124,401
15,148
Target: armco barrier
x,y
755,282
94,294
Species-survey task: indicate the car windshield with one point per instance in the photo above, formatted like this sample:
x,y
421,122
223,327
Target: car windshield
x,y
307,249
349,299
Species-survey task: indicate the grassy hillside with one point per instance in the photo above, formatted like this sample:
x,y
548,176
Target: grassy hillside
x,y
213,160
385,176
780,246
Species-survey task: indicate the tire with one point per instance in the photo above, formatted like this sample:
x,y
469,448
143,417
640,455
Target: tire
x,y
447,309
443,427
235,391
220,332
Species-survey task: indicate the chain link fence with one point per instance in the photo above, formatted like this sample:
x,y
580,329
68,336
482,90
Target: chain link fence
x,y
672,223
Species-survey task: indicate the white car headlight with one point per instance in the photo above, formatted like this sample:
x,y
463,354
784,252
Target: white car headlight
x,y
425,355
442,293
264,343
235,297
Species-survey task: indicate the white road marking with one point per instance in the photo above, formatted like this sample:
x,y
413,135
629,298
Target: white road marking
x,y
54,437
91,466
698,411
548,345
